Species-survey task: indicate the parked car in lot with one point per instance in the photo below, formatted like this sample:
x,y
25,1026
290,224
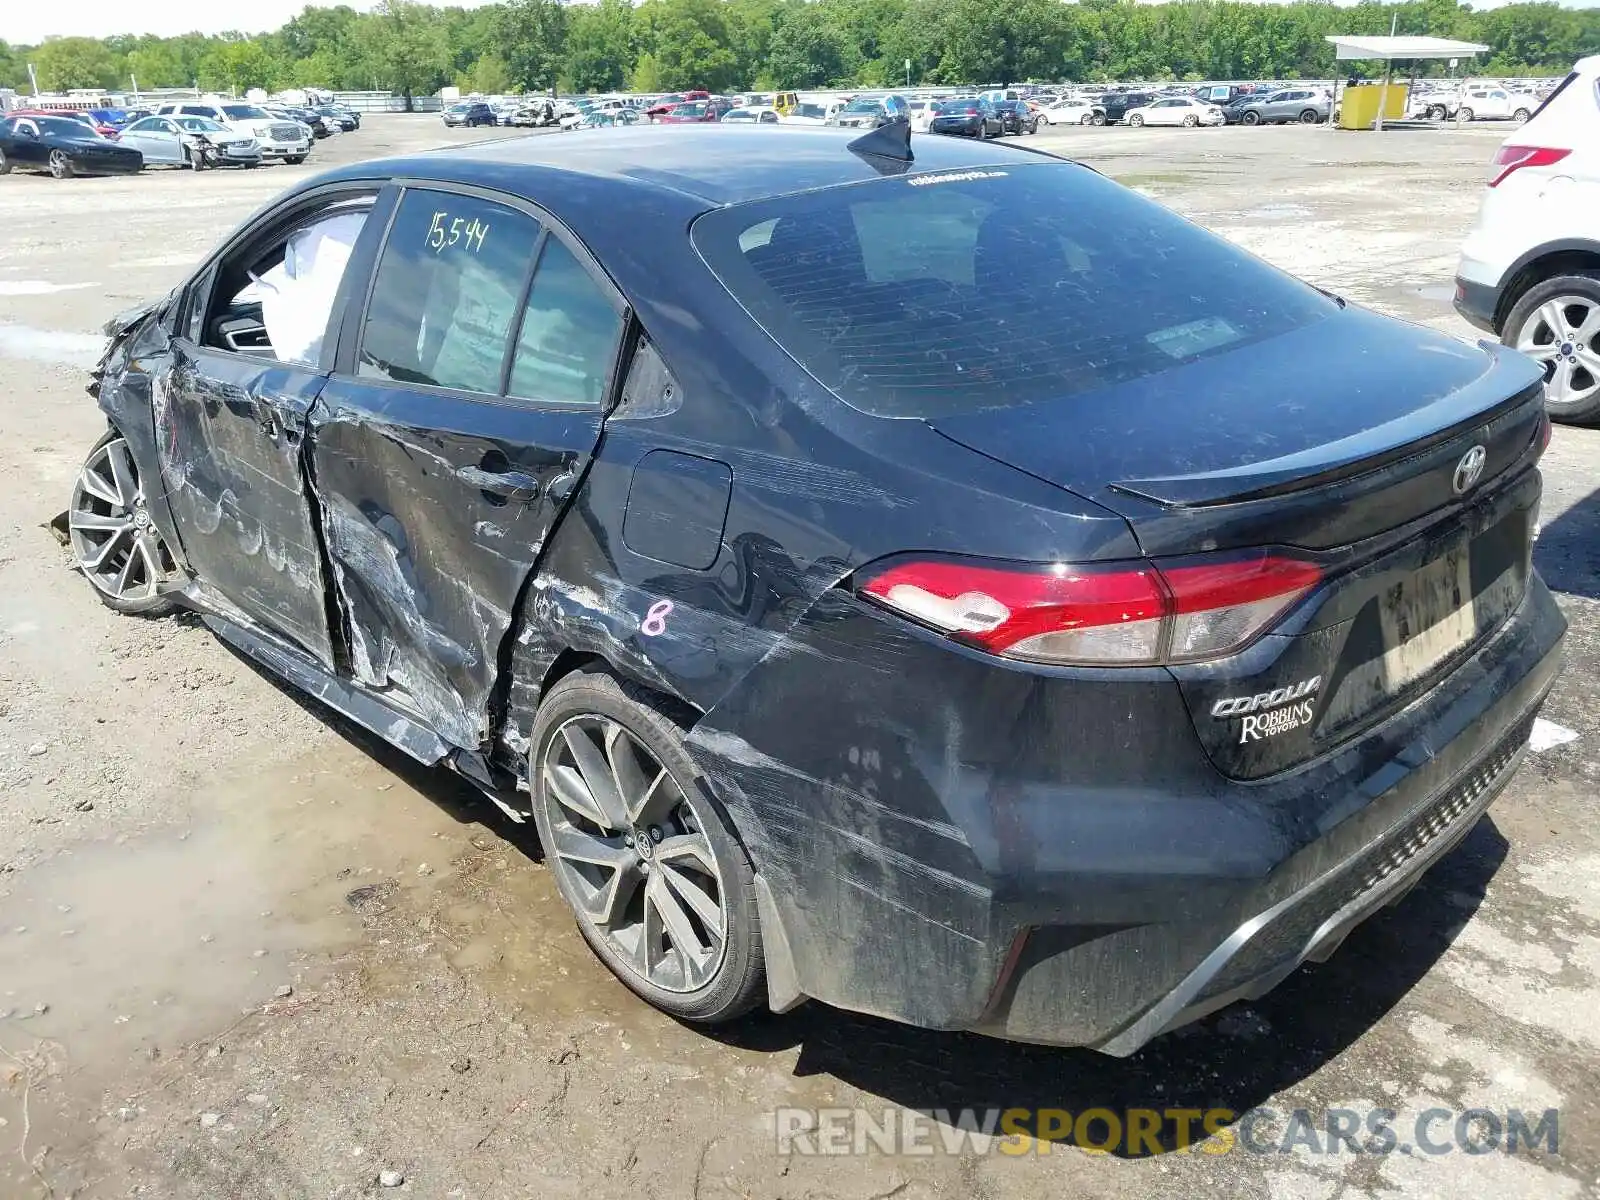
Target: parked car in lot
x,y
805,113
1308,106
694,112
1072,112
468,115
62,147
666,104
194,142
1117,105
1530,268
348,120
968,118
596,119
756,115
1175,110
866,112
936,692
1016,116
1477,102
278,137
88,120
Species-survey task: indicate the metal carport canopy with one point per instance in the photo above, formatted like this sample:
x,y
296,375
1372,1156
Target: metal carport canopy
x,y
1391,49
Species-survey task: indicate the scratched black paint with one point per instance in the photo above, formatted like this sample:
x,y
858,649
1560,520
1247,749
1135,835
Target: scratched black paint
x,y
1053,854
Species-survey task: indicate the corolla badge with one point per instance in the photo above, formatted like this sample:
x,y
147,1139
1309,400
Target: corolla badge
x,y
1267,714
1469,469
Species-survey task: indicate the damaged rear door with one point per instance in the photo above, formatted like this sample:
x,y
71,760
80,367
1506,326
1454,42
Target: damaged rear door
x,y
230,412
465,407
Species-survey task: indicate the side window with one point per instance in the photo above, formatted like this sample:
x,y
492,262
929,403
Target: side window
x,y
569,335
448,286
275,299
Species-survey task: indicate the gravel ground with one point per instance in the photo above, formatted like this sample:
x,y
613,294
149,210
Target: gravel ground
x,y
244,952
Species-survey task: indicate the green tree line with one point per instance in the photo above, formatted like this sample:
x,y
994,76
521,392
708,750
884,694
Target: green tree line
x,y
728,45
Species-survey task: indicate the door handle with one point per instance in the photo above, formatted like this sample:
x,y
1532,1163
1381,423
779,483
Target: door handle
x,y
503,485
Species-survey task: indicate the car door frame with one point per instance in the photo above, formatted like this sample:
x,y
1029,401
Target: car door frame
x,y
187,340
481,709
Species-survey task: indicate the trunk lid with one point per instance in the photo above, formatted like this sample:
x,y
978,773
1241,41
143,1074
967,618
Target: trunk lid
x,y
1255,446
1347,450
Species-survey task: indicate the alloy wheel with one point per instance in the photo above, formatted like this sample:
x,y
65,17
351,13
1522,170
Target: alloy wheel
x,y
5,163
1563,334
635,859
60,164
113,539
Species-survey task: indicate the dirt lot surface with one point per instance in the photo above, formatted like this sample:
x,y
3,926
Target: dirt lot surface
x,y
245,953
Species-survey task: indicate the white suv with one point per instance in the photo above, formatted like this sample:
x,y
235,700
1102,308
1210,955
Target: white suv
x,y
278,136
1530,268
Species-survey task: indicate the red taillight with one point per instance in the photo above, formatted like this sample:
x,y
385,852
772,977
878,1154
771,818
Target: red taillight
x,y
1117,614
1514,158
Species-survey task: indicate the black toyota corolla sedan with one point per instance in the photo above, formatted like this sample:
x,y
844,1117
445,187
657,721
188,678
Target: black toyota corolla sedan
x,y
927,577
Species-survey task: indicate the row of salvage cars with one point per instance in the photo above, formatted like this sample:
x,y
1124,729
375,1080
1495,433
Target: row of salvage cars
x,y
195,135
1020,673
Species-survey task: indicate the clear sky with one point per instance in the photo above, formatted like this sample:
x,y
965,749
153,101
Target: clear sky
x,y
26,22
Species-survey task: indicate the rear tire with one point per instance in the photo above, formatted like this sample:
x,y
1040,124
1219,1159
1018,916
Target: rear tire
x,y
1521,114
5,164
1086,119
1191,121
1572,379
1099,118
295,160
1464,115
1309,117
60,165
1438,112
627,738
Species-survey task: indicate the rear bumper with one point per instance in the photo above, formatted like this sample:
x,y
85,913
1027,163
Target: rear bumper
x,y
1053,859
1477,303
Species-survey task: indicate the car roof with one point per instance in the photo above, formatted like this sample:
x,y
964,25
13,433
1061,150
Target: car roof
x,y
714,163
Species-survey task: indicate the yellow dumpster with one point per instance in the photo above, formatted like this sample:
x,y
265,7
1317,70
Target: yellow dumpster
x,y
1358,106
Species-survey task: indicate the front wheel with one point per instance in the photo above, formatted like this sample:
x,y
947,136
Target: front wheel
x,y
1136,120
662,891
118,549
1557,323
1521,114
1438,112
60,164
294,160
5,164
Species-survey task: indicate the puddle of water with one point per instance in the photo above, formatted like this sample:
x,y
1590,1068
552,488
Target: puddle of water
x,y
38,287
51,346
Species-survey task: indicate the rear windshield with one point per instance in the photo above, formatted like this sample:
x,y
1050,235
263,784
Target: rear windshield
x,y
927,295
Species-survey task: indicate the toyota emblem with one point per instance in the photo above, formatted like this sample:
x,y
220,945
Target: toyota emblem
x,y
1468,469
